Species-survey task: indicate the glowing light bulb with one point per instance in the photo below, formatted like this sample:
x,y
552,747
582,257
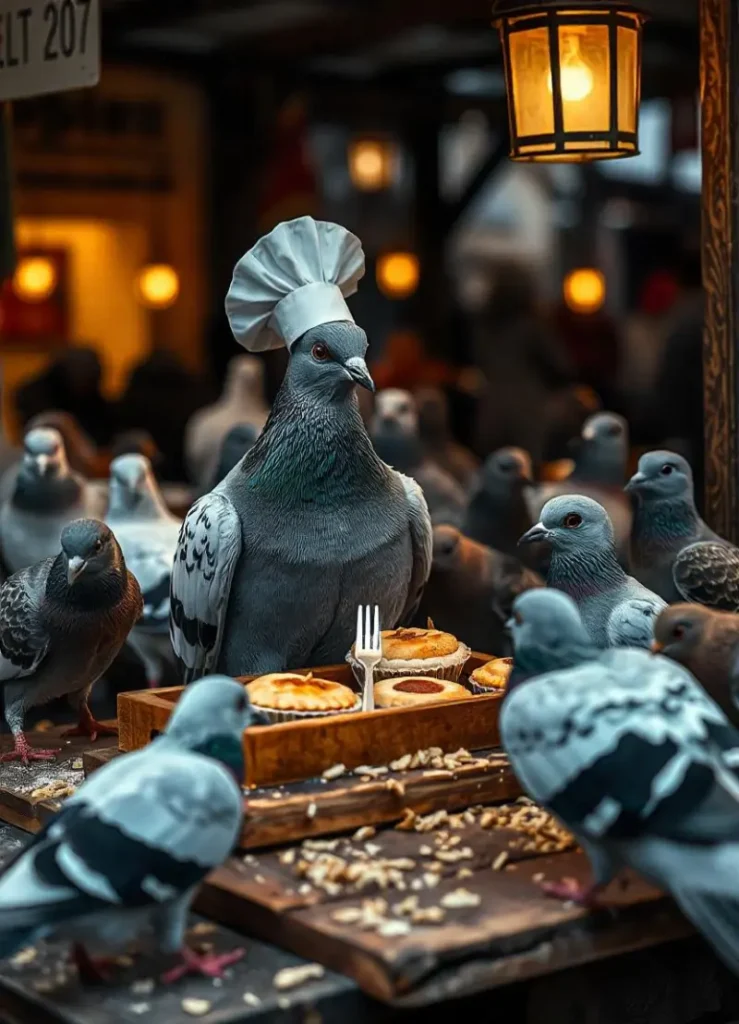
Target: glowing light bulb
x,y
398,274
158,285
575,77
584,290
35,279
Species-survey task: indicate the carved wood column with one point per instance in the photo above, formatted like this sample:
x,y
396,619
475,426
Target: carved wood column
x,y
719,43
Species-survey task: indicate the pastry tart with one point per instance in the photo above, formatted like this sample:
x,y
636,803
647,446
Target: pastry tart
x,y
284,696
418,652
411,691
492,676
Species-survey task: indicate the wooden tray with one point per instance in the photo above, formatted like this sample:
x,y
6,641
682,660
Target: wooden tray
x,y
302,750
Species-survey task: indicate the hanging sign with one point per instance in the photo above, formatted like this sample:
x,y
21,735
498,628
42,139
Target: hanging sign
x,y
48,46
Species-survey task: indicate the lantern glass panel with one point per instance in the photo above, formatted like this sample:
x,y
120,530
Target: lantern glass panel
x,y
628,79
531,71
585,78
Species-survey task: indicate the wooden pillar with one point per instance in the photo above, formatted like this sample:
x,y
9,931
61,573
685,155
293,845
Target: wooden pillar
x,y
719,46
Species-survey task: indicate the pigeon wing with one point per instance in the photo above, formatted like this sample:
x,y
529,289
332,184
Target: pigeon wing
x,y
24,640
207,551
108,849
422,543
149,554
708,573
621,746
631,623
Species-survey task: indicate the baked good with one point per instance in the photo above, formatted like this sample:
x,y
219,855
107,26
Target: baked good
x,y
492,676
283,696
409,691
417,652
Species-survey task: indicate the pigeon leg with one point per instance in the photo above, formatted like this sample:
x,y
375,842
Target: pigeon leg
x,y
89,726
24,752
91,970
570,889
211,965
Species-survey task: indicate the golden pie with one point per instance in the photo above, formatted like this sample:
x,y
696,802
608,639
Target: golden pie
x,y
291,694
492,676
417,652
408,691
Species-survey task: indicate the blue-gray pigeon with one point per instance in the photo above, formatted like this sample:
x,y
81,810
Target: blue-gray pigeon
x,y
236,444
124,857
45,495
397,440
673,551
601,453
616,609
147,533
629,752
62,622
272,564
497,512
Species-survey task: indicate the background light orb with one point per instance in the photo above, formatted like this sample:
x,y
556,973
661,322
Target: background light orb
x,y
398,274
35,278
584,290
158,285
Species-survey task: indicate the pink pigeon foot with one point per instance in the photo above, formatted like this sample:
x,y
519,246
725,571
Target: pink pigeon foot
x,y
90,727
570,889
212,965
24,752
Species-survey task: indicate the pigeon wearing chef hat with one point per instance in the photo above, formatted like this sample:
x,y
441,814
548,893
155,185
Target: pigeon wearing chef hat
x,y
271,565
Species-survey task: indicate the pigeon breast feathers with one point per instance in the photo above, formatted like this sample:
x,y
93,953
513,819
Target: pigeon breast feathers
x,y
422,541
208,548
619,747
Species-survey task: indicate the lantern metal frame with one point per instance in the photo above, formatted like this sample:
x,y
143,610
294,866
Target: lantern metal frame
x,y
552,14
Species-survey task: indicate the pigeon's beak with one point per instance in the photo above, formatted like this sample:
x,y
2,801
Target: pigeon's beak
x,y
635,482
657,647
42,463
357,370
508,628
75,567
535,534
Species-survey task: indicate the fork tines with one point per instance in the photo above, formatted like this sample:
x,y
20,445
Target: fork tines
x,y
368,638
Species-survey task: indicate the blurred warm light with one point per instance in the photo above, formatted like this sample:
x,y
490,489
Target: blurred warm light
x,y
564,102
158,285
35,278
371,164
398,274
584,290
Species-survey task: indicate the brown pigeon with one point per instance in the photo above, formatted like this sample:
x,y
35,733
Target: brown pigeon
x,y
706,642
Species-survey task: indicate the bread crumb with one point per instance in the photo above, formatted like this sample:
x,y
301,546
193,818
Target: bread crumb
x,y
291,977
333,772
196,1007
500,860
251,1000
460,899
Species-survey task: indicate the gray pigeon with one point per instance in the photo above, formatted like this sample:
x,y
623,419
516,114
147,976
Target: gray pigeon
x,y
272,564
666,523
236,444
124,857
397,440
438,443
242,401
616,609
147,533
631,754
497,513
471,590
62,622
46,495
601,453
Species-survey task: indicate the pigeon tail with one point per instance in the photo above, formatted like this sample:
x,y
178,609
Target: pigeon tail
x,y
716,916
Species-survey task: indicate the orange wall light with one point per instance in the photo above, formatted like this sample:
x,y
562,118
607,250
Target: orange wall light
x,y
158,286
371,163
398,274
35,278
584,290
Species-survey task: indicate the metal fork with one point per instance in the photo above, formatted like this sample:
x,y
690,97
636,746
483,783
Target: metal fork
x,y
368,651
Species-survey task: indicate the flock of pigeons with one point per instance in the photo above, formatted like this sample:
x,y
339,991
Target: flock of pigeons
x,y
320,509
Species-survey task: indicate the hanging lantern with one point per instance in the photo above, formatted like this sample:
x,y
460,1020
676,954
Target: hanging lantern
x,y
573,77
158,285
398,274
372,163
584,290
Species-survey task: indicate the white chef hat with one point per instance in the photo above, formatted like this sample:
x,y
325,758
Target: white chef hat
x,y
293,279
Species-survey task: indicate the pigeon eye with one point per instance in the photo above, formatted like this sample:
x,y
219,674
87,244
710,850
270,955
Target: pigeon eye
x,y
572,520
241,704
613,430
678,632
98,545
320,352
666,470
